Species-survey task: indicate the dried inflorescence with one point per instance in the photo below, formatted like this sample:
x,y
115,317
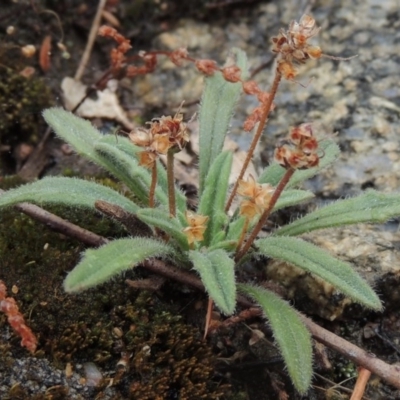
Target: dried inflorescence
x,y
197,226
299,150
9,306
164,134
257,197
293,47
118,57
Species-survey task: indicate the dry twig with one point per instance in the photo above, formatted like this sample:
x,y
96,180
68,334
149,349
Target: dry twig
x,y
92,37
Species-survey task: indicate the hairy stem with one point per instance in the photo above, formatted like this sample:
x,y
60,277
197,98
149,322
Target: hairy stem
x,y
242,235
257,136
278,191
153,184
171,183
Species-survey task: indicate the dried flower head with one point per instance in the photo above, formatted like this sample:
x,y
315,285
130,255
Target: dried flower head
x,y
299,150
178,56
258,197
231,73
173,127
293,47
207,67
197,227
118,57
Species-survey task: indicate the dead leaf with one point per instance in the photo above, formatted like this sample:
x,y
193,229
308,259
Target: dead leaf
x,y
105,106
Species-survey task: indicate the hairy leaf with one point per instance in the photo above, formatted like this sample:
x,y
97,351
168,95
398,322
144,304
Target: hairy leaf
x,y
292,197
292,337
99,265
217,272
161,219
126,168
371,206
235,228
274,173
320,263
212,200
217,106
69,192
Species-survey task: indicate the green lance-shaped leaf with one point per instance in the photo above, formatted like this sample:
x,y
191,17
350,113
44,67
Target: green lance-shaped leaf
x,y
125,168
216,109
370,207
292,197
217,272
212,200
79,133
235,228
274,173
320,263
69,192
100,265
161,219
292,337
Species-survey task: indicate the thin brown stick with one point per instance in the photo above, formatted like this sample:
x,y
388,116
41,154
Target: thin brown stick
x,y
278,191
60,225
153,184
389,373
171,183
92,37
256,138
208,316
362,380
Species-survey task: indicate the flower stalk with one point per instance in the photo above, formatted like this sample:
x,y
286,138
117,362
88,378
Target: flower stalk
x,y
263,120
153,185
171,183
278,191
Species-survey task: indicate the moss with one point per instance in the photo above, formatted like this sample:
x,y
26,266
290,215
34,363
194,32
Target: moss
x,y
169,358
21,102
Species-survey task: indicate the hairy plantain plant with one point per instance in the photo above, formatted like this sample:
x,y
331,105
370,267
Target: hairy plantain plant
x,y
215,239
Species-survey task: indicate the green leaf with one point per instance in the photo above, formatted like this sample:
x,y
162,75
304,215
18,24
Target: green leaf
x,y
212,200
292,197
216,109
292,337
320,263
74,130
69,192
126,168
274,173
161,219
100,265
371,207
235,228
217,272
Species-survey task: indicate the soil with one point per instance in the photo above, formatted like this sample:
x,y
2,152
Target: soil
x,y
86,337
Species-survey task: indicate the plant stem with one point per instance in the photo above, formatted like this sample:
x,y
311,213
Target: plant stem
x,y
256,137
362,380
242,235
278,191
153,184
171,183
